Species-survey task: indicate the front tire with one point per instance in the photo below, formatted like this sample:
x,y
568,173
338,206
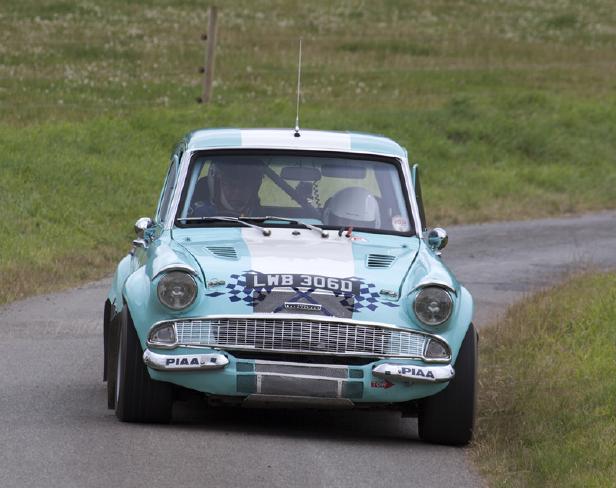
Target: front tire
x,y
449,416
138,398
111,354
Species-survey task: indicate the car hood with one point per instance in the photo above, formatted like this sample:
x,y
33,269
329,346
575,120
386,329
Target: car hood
x,y
296,270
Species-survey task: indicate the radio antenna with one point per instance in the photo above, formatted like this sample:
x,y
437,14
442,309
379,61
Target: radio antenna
x,y
299,78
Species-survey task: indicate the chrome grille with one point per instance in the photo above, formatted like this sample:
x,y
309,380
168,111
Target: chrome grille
x,y
301,336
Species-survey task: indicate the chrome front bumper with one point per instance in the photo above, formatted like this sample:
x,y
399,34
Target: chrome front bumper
x,y
410,373
407,373
184,362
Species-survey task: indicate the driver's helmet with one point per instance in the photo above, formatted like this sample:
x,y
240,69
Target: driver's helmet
x,y
352,207
234,184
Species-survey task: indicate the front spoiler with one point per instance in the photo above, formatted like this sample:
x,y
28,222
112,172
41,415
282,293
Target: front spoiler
x,y
184,362
294,401
410,373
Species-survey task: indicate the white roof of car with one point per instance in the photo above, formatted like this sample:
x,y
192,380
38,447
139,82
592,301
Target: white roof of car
x,y
286,139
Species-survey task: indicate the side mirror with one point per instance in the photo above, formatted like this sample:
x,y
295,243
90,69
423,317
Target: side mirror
x,y
143,224
437,239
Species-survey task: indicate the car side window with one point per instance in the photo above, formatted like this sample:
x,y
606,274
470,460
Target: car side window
x,y
419,197
165,198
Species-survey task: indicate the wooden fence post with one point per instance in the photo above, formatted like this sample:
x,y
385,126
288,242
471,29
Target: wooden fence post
x,y
210,52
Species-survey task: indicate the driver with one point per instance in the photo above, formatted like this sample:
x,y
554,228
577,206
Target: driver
x,y
232,188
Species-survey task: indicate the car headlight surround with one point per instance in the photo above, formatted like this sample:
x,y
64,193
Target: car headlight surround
x,y
433,305
177,290
163,335
436,350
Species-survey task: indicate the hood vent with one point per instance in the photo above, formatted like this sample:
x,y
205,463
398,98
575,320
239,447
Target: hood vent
x,y
380,261
224,252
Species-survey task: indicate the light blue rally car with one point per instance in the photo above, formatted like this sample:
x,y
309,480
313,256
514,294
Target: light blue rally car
x,y
291,269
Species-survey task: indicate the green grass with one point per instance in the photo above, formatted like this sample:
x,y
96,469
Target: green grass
x,y
547,396
509,107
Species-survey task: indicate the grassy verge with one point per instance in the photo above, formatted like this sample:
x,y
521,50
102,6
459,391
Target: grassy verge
x,y
509,107
548,392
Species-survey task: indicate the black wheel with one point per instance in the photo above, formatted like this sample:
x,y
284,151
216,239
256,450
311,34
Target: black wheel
x,y
111,353
449,416
138,398
106,314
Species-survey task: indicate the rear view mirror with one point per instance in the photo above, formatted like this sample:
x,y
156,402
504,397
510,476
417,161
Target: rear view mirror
x,y
300,173
344,171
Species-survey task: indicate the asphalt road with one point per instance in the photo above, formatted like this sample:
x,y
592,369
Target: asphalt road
x,y
55,428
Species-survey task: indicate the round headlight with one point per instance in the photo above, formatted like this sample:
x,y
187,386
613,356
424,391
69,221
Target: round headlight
x,y
177,290
433,305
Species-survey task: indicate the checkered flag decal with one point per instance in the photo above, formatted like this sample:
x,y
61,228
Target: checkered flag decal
x,y
238,291
368,298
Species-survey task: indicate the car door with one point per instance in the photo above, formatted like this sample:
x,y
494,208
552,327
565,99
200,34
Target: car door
x,y
166,195
164,201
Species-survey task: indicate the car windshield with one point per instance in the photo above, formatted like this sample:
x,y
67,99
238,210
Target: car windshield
x,y
330,191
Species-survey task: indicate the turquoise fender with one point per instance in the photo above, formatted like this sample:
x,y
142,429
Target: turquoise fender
x,y
122,273
429,268
139,290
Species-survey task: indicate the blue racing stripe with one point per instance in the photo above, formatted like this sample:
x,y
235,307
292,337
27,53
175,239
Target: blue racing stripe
x,y
210,138
375,144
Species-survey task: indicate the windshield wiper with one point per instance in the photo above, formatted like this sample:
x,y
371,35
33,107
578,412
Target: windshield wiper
x,y
321,231
220,218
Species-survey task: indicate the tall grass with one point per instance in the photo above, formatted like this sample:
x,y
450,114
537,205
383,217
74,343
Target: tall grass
x,y
509,107
547,396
